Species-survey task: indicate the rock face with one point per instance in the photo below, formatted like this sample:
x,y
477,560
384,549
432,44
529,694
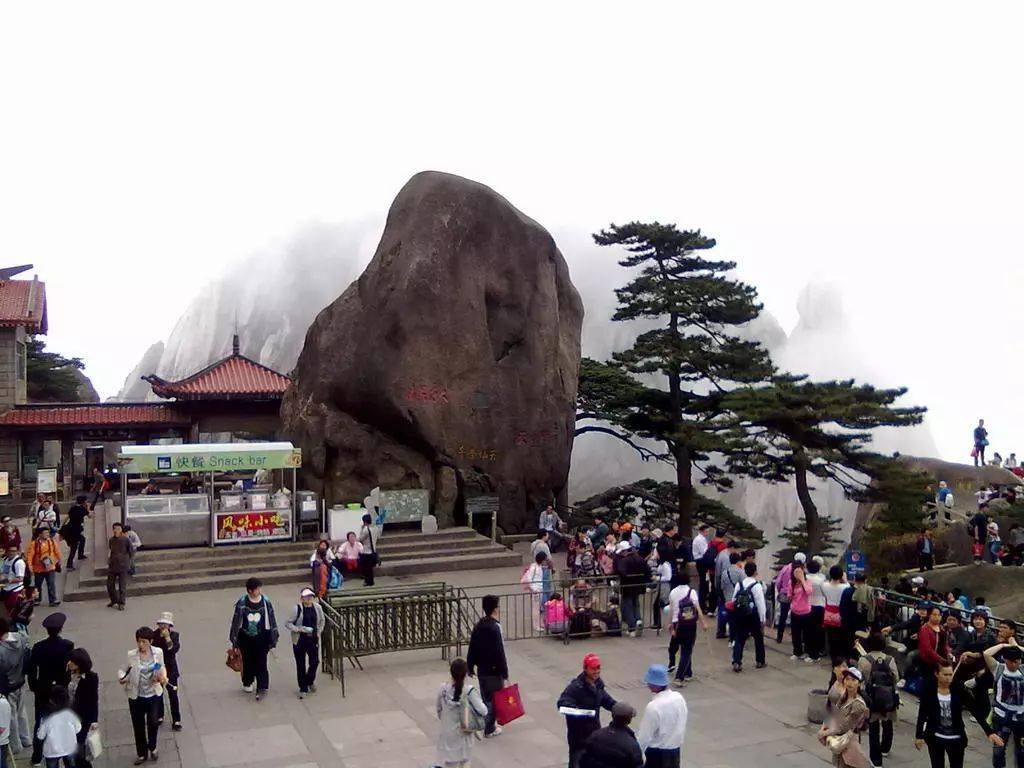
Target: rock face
x,y
450,364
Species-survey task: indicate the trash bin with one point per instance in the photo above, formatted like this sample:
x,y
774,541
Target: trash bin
x,y
817,701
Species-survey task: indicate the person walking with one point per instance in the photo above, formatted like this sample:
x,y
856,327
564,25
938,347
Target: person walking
x,y
119,559
306,626
254,632
368,559
783,591
1008,700
685,614
455,701
980,443
84,691
749,614
14,658
663,726
73,531
933,643
486,658
615,745
169,641
799,610
727,579
46,516
880,674
846,719
581,703
44,560
100,486
143,681
59,731
940,722
47,667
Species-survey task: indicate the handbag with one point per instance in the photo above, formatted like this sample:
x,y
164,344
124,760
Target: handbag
x,y
470,720
838,744
93,745
234,660
832,616
508,705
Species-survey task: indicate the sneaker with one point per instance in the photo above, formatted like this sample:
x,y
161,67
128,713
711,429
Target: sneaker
x,y
120,606
82,557
732,643
901,683
760,665
737,668
811,660
249,688
54,603
138,760
260,695
111,605
671,667
175,726
495,732
639,629
312,687
70,568
794,657
154,756
302,694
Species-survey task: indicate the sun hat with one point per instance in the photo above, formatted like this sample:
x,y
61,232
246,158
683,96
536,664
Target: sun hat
x,y
799,557
166,618
657,675
307,592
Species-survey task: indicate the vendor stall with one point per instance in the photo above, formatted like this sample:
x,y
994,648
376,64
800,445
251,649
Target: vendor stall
x,y
243,493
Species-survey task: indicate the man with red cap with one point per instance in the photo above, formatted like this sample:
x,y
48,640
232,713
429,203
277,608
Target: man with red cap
x,y
581,703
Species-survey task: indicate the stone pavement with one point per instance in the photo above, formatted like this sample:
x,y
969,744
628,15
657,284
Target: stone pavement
x,y
755,719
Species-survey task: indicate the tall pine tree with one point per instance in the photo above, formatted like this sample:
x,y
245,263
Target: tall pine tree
x,y
695,349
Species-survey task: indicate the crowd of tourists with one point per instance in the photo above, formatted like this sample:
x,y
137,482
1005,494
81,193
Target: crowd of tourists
x,y
356,556
980,440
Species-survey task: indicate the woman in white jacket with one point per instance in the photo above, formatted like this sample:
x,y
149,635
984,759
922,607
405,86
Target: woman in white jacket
x,y
454,742
143,681
533,579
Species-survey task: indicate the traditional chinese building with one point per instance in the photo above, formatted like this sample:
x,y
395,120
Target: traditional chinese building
x,y
233,400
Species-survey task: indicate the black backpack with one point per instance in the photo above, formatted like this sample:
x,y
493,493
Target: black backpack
x,y
687,614
881,688
743,603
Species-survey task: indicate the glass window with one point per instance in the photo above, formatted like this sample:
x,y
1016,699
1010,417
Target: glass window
x,y
21,361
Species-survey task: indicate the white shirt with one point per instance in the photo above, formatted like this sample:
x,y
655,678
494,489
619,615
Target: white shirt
x,y
700,546
834,592
59,733
5,722
677,594
664,722
756,591
817,581
664,572
14,568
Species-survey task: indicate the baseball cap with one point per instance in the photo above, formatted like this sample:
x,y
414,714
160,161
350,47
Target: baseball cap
x,y
591,661
800,557
853,672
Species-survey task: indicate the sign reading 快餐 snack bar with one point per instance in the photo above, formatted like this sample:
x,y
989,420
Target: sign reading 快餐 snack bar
x,y
210,458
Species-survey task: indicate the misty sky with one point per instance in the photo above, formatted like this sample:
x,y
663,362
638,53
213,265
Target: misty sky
x,y
145,147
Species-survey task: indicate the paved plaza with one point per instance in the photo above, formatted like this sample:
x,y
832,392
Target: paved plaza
x,y
755,719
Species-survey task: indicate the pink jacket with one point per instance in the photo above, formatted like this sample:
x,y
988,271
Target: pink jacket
x,y
800,599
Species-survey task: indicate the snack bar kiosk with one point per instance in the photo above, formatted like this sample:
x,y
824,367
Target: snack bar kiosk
x,y
220,493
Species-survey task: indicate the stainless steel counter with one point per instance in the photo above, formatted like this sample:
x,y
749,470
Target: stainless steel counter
x,y
170,520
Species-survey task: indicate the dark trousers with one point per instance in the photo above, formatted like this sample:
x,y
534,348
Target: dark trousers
x,y
783,615
748,626
50,580
172,695
686,637
76,546
145,723
925,562
838,642
661,758
366,566
307,659
42,710
116,586
798,631
1010,733
80,759
814,635
489,685
630,610
724,622
254,662
879,739
703,587
575,756
939,749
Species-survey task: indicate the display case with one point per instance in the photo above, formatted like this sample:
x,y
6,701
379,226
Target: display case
x,y
170,520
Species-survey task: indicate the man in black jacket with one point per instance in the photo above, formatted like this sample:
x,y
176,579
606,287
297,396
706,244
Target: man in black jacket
x,y
581,703
632,569
486,659
47,667
169,642
614,746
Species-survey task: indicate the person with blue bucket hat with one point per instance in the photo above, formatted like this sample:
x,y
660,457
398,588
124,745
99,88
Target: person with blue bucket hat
x,y
663,726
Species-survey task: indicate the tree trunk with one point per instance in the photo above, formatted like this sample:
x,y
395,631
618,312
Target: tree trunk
x,y
684,484
815,539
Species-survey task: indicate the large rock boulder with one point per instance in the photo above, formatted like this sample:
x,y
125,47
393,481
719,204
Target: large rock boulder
x,y
450,364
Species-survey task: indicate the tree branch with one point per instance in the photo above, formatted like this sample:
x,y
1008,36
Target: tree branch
x,y
645,453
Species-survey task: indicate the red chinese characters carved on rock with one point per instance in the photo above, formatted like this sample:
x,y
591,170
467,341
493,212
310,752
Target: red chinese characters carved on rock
x,y
534,439
423,393
475,454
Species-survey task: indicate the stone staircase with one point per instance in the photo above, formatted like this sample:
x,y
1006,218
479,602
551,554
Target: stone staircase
x,y
192,569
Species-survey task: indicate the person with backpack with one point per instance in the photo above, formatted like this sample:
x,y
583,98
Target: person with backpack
x,y
940,722
727,576
749,615
15,576
462,713
44,559
1007,700
783,591
581,702
254,633
684,604
880,675
306,626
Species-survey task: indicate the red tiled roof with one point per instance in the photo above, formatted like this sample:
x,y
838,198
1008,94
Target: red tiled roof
x,y
23,302
234,376
91,414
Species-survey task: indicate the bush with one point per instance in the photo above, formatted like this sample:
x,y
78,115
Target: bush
x,y
890,554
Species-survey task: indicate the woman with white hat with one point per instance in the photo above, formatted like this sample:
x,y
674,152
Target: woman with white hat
x,y
306,626
169,642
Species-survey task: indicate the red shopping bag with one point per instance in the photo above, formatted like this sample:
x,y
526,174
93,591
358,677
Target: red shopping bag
x,y
508,705
977,549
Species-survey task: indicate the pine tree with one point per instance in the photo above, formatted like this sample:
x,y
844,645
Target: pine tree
x,y
51,377
798,540
807,428
694,347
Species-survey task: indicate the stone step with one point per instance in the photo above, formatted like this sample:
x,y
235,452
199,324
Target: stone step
x,y
93,589
256,557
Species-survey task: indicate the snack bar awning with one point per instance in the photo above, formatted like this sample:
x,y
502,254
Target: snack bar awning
x,y
208,457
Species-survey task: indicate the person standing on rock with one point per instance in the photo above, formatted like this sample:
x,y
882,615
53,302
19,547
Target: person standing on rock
x,y
581,703
552,523
306,626
118,561
486,659
254,633
368,557
980,442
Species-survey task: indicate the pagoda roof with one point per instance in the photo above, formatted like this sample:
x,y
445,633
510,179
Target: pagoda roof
x,y
236,377
23,303
93,415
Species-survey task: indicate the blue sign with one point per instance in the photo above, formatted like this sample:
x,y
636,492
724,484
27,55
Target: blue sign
x,y
163,462
856,563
